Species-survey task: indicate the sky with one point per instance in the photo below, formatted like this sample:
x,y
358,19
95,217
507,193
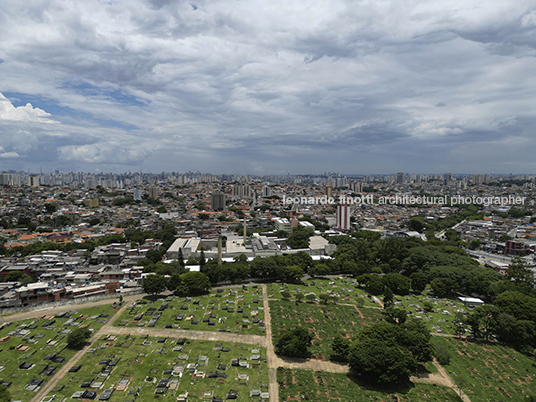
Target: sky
x,y
268,87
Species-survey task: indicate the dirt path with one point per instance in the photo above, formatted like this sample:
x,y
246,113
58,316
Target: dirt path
x,y
49,385
360,313
440,378
378,301
271,358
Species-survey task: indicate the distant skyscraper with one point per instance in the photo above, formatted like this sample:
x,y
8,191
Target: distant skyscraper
x,y
447,177
153,192
137,194
241,190
400,178
266,191
343,217
218,201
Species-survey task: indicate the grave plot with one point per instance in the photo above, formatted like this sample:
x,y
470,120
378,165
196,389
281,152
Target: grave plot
x,y
318,386
153,368
440,318
237,310
346,291
323,321
489,371
32,351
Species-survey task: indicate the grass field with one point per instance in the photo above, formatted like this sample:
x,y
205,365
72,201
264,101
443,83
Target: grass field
x,y
238,310
31,347
320,386
490,372
324,321
135,366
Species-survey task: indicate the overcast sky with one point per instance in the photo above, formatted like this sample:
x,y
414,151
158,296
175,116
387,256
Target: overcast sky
x,y
268,87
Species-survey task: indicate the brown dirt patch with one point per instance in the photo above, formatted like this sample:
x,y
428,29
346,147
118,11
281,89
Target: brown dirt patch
x,y
360,313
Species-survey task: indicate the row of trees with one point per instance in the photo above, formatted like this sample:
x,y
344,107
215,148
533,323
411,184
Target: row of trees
x,y
186,284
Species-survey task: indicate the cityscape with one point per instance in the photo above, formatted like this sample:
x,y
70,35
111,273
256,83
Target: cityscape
x,y
153,253
227,200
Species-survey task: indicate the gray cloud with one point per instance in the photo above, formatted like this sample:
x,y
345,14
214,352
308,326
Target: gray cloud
x,y
268,86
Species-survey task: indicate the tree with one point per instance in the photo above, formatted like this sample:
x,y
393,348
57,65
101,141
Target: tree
x,y
324,298
299,297
396,315
173,282
202,259
197,283
155,255
374,285
379,361
78,337
474,244
419,280
51,208
459,324
388,297
299,238
19,276
416,223
520,273
443,287
293,342
292,273
428,306
398,283
340,347
154,284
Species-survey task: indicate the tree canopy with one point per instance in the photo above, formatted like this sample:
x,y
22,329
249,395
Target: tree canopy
x,y
293,342
78,337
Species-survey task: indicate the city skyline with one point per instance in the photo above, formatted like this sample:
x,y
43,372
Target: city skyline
x,y
267,88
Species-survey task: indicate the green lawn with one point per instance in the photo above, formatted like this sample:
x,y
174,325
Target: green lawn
x,y
31,341
144,362
321,386
324,321
238,310
491,372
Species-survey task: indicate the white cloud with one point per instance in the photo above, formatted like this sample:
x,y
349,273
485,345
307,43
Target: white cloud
x,y
22,113
9,155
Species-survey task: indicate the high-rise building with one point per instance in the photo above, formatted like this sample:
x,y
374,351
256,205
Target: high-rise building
x,y
153,192
400,178
218,201
241,190
343,217
447,177
266,191
137,194
4,179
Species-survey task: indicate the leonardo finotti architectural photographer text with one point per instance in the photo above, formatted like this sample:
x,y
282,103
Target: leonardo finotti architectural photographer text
x,y
406,200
